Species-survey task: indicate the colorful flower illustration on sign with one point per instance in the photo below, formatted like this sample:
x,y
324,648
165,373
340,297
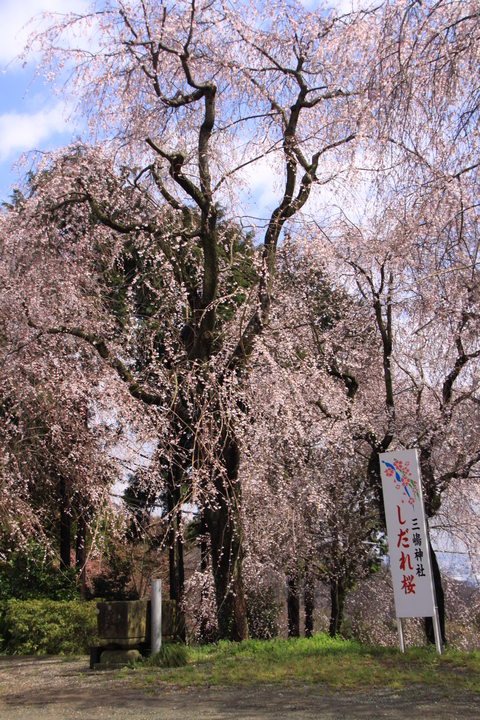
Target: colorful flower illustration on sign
x,y
400,471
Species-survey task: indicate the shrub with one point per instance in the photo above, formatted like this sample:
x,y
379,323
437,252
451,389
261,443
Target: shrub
x,y
170,655
47,627
262,613
32,574
200,607
115,582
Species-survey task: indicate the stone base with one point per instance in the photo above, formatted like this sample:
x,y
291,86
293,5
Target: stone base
x,y
102,658
95,652
119,656
120,643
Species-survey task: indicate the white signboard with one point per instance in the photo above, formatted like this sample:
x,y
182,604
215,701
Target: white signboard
x,y
407,534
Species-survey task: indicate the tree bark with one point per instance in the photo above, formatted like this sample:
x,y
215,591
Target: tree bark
x,y
224,526
375,481
204,553
293,605
440,597
175,553
337,595
206,634
181,577
227,573
81,553
309,593
65,523
171,539
432,505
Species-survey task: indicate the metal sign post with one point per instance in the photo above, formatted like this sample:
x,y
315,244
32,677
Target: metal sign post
x,y
156,618
401,638
408,540
437,631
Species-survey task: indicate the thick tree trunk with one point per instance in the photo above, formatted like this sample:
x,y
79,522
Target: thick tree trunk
x,y
204,553
81,553
432,505
224,527
293,605
181,579
172,575
171,539
337,595
65,522
180,563
309,594
440,596
375,479
227,574
175,554
207,634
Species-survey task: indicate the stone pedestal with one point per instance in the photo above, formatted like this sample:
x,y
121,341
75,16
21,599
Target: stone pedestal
x,y
124,627
122,624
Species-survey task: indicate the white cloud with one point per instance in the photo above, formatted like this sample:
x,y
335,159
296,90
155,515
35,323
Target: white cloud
x,y
261,196
341,6
15,14
346,6
20,132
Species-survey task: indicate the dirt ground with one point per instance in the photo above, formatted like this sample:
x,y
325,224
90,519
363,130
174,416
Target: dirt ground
x,y
60,689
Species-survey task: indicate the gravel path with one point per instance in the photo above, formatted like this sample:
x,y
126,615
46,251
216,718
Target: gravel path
x,y
58,689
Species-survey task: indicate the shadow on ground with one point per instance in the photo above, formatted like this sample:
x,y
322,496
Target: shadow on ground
x,y
61,689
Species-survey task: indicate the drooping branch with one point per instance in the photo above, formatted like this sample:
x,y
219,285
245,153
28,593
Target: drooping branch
x,y
462,359
101,347
385,326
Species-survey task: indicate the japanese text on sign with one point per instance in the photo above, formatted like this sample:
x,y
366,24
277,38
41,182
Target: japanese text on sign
x,y
407,534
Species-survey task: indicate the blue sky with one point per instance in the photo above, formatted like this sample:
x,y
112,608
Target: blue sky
x,y
31,117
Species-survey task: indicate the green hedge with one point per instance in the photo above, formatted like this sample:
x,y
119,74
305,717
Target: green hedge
x,y
33,575
48,627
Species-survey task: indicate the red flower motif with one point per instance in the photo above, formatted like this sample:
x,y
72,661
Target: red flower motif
x,y
389,472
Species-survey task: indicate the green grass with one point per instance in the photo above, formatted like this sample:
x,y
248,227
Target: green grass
x,y
321,661
170,655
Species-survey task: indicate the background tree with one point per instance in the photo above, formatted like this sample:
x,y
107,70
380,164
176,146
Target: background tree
x,y
310,513
56,470
411,266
